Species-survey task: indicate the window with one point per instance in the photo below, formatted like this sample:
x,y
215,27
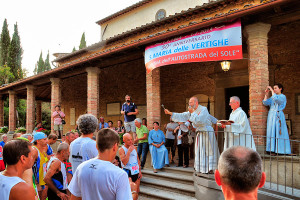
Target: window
x,y
160,14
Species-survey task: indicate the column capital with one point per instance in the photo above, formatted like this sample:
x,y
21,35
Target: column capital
x,y
30,87
92,70
55,80
257,30
11,92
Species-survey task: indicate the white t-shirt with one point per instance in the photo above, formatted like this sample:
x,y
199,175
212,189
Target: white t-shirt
x,y
82,149
101,180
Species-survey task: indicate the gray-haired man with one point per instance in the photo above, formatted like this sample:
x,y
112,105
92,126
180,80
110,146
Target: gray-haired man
x,y
240,173
238,132
84,147
56,176
142,139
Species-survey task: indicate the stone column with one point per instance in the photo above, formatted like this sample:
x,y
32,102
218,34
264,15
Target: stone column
x,y
55,97
257,35
153,97
30,109
1,111
38,111
93,91
12,119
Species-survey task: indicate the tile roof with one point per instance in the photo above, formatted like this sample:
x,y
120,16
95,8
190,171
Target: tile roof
x,y
143,27
119,43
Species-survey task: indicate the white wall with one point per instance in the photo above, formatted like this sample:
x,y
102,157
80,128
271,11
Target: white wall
x,y
146,14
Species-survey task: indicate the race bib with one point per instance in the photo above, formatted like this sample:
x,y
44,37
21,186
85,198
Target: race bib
x,y
134,168
44,169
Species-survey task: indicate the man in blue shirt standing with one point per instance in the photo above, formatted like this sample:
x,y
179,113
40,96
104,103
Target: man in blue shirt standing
x,y
129,110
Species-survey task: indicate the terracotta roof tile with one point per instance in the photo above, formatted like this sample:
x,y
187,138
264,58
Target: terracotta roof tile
x,y
205,5
110,45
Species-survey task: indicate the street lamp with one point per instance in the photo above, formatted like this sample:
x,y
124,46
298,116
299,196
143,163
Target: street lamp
x,y
225,65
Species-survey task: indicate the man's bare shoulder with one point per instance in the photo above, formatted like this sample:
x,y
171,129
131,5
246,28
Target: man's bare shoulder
x,y
22,191
55,164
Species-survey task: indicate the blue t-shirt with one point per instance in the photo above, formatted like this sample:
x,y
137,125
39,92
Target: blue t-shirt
x,y
105,125
2,143
129,108
49,150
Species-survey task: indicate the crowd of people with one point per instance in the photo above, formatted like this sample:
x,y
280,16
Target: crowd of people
x,y
85,167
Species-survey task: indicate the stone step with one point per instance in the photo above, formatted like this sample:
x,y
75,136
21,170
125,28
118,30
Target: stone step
x,y
169,176
161,194
179,170
146,197
170,186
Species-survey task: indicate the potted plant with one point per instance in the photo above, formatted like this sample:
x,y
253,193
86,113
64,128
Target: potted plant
x,y
21,130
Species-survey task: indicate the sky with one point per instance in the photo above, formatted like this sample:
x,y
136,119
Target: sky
x,y
57,25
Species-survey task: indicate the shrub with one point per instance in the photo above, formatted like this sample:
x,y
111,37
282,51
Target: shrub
x,y
4,129
20,130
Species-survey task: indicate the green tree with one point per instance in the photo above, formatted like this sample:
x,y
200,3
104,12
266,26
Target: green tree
x,y
5,75
21,109
4,43
73,49
25,72
15,52
40,64
35,69
47,63
82,41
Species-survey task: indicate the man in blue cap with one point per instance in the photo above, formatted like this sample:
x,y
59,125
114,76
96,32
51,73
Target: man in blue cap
x,y
40,157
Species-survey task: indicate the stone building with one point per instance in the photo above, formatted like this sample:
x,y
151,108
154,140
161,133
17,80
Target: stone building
x,y
96,79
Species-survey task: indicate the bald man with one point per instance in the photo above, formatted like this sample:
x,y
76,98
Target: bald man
x,y
130,160
206,147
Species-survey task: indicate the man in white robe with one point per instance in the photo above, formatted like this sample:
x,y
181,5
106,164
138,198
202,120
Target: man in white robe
x,y
206,147
239,132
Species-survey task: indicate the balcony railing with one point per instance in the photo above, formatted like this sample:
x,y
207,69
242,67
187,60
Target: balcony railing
x,y
282,170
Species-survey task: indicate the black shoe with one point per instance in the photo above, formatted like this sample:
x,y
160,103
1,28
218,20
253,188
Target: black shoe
x,y
142,167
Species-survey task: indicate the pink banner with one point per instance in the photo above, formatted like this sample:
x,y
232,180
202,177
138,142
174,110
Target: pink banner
x,y
223,42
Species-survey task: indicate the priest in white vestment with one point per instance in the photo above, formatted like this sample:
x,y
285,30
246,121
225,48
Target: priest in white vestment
x,y
206,147
239,132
